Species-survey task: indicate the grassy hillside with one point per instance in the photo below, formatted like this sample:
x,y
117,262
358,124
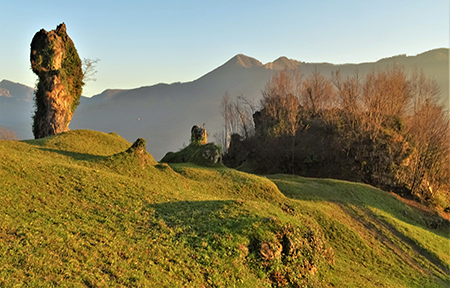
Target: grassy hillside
x,y
79,210
379,240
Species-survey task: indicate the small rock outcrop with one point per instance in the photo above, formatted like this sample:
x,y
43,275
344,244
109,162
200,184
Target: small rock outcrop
x,y
131,159
271,250
54,59
298,252
198,152
138,149
198,135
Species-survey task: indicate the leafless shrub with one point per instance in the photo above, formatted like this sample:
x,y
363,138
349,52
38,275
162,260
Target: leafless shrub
x,y
7,134
282,104
237,119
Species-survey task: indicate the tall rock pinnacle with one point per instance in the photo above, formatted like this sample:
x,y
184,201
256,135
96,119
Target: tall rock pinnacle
x,y
54,59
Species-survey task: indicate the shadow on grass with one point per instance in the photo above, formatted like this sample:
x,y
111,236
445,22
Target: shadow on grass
x,y
75,155
203,218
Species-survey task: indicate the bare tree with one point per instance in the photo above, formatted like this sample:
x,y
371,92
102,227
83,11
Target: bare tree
x,y
220,138
7,134
245,109
386,127
348,92
423,90
229,120
429,131
281,103
385,92
237,119
317,93
89,69
388,117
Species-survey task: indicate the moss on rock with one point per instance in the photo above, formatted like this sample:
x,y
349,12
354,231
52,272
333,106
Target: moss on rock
x,y
54,59
206,155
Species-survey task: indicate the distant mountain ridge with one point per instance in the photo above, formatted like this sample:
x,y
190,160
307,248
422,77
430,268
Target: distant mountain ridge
x,y
283,63
20,91
164,113
16,107
244,61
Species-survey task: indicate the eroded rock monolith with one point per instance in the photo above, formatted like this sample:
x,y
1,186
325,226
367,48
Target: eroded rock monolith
x,y
54,59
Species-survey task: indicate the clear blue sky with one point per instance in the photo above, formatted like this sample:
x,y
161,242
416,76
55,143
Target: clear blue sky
x,y
142,43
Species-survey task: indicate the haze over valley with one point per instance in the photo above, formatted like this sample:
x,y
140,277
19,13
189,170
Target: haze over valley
x,y
164,113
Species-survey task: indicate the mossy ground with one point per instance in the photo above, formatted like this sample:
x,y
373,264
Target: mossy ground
x,y
77,211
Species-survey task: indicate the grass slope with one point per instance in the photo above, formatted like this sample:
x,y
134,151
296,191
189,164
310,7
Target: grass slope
x,y
378,239
80,211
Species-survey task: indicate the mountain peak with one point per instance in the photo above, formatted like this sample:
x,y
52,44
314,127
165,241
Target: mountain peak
x,y
282,63
242,60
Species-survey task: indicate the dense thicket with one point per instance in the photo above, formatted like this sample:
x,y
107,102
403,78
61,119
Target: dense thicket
x,y
385,128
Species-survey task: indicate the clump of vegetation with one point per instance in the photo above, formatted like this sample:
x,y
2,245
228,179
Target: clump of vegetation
x,y
386,128
54,59
288,255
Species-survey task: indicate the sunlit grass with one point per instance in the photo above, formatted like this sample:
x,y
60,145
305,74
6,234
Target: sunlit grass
x,y
378,240
77,211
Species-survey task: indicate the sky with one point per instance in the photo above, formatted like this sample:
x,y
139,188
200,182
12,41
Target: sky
x,y
142,43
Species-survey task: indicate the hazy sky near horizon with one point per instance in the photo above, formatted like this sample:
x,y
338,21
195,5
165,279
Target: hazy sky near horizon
x,y
141,43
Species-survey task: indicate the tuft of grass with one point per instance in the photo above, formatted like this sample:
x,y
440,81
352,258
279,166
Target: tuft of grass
x,y
79,210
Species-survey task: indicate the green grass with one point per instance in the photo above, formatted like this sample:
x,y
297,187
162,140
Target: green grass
x,y
379,241
79,211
